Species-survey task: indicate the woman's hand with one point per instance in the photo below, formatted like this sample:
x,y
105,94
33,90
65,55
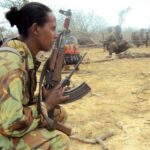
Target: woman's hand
x,y
54,96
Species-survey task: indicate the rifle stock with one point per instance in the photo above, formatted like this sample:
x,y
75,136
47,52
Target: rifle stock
x,y
59,126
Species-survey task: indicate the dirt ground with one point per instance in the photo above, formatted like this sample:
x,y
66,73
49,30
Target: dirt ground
x,y
119,102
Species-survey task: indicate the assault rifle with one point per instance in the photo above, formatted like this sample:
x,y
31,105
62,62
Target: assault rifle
x,y
53,67
74,94
51,76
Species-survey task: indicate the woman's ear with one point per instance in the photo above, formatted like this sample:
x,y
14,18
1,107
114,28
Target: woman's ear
x,y
35,29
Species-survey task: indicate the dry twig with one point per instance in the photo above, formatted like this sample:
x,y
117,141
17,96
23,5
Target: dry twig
x,y
97,140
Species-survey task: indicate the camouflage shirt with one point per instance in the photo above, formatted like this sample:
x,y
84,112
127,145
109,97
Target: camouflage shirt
x,y
16,117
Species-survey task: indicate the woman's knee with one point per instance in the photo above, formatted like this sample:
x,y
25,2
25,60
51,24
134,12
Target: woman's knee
x,y
61,142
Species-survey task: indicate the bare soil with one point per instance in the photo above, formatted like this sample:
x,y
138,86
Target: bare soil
x,y
119,102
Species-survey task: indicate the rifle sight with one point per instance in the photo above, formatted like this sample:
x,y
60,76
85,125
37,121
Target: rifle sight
x,y
66,13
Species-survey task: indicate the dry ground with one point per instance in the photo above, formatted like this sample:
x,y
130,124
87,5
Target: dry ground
x,y
119,102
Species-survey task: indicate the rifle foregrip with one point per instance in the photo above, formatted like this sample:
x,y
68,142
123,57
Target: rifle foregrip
x,y
58,67
57,125
53,59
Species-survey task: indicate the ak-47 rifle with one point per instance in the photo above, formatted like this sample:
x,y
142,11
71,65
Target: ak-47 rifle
x,y
53,66
51,76
74,94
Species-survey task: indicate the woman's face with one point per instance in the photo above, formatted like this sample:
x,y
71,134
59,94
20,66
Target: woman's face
x,y
47,33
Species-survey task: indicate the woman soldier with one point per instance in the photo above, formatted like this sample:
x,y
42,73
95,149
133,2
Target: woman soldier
x,y
21,126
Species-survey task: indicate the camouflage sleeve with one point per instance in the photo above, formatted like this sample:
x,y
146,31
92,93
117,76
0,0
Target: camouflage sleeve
x,y
16,119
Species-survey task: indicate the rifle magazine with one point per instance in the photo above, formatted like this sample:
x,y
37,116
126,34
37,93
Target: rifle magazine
x,y
77,93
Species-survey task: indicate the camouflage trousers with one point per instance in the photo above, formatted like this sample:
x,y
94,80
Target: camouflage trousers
x,y
56,139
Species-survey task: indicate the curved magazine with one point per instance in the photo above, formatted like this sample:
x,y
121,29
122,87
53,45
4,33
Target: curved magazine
x,y
77,93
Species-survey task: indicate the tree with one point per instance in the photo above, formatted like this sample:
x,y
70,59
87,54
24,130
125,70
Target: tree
x,y
122,14
13,3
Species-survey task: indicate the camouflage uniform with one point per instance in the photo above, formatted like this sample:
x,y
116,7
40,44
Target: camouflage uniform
x,y
122,44
115,41
111,43
20,123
